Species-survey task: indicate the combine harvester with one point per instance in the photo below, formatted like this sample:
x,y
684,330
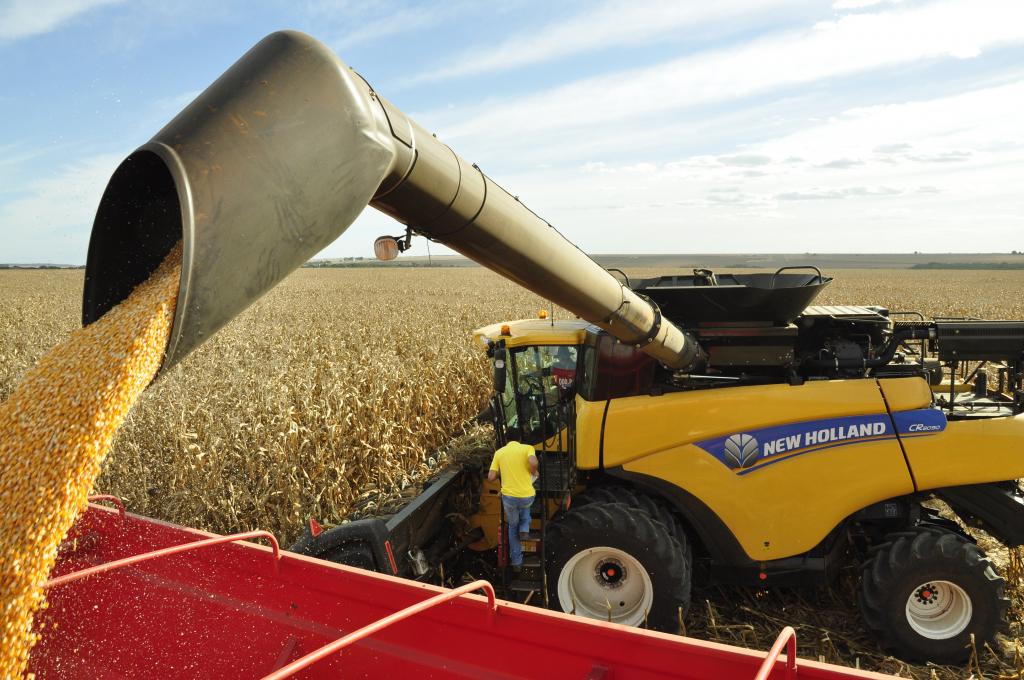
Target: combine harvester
x,y
711,427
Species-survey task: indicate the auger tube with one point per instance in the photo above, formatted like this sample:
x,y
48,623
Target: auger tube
x,y
439,194
277,157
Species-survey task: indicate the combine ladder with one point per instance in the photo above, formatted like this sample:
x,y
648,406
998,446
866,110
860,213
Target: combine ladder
x,y
557,477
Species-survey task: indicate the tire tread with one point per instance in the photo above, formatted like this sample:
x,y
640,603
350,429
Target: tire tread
x,y
611,519
901,553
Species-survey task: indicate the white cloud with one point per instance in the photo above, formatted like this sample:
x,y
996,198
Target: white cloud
x,y
612,23
390,24
166,107
25,18
896,147
357,22
848,45
818,193
52,216
929,169
860,4
842,163
946,130
745,160
13,155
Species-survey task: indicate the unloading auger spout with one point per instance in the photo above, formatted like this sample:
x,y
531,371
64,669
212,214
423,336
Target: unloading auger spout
x,y
278,157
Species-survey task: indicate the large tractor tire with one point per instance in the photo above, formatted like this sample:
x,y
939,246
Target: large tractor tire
x,y
925,591
654,507
613,562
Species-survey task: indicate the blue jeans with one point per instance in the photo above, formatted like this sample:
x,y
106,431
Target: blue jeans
x,y
517,516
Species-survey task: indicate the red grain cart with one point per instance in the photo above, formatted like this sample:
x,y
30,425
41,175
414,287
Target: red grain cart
x,y
134,597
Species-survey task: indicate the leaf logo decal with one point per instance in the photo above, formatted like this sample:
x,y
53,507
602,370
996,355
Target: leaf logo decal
x,y
742,450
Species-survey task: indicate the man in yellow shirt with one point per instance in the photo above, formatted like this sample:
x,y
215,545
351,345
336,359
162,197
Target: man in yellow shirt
x,y
516,465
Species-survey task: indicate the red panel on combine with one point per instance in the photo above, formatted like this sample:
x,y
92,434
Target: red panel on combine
x,y
233,610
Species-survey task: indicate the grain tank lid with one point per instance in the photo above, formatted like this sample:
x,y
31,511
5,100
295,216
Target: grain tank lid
x,y
703,297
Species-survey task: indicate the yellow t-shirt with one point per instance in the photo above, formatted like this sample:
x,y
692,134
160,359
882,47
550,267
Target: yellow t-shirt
x,y
513,462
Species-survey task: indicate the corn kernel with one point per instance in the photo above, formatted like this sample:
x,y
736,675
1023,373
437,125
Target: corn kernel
x,y
56,427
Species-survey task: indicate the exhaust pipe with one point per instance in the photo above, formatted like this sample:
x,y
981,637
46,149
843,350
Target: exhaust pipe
x,y
277,158
264,169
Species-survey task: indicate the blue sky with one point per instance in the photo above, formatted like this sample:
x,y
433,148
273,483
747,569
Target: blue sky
x,y
633,126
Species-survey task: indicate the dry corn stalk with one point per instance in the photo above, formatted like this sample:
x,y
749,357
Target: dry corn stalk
x,y
57,426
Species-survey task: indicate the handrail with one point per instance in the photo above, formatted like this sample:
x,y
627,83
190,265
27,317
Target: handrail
x,y
164,552
787,639
821,279
380,624
113,499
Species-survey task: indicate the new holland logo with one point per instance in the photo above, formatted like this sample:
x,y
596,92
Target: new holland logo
x,y
741,450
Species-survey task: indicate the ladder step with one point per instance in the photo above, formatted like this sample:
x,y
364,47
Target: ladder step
x,y
525,586
532,562
531,544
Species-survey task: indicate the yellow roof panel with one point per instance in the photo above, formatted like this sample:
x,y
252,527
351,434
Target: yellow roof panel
x,y
535,332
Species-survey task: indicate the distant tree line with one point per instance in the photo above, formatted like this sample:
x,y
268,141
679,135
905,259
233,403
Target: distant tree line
x,y
969,265
40,266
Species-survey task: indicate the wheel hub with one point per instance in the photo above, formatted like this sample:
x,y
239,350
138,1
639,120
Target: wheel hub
x,y
927,594
608,584
611,573
939,610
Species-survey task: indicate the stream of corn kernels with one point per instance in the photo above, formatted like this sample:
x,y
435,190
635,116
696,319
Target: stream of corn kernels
x,y
55,429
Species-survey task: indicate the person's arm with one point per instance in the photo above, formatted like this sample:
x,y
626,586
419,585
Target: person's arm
x,y
492,474
533,464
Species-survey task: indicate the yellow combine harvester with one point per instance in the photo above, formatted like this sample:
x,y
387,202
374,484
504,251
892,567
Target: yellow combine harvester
x,y
712,427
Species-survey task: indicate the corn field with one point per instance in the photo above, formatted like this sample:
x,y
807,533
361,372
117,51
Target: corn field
x,y
334,385
344,384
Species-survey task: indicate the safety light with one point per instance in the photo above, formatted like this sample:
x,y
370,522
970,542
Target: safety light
x,y
542,314
505,330
386,248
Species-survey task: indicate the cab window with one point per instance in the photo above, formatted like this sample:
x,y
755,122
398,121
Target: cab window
x,y
544,379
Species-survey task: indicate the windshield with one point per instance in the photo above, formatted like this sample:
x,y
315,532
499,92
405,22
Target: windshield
x,y
541,380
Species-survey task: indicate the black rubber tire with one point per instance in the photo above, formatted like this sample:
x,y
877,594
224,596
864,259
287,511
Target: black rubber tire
x,y
910,558
635,532
657,509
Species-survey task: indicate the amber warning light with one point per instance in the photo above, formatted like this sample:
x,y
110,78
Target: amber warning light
x,y
386,248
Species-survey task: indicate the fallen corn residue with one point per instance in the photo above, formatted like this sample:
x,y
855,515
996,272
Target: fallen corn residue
x,y
55,429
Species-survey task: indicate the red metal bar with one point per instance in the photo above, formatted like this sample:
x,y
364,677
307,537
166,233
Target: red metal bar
x,y
380,624
113,499
787,639
164,552
391,557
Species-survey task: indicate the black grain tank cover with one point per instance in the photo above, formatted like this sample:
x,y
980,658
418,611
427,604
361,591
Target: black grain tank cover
x,y
777,298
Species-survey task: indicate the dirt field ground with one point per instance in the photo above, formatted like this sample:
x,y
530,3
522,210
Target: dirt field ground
x,y
341,384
